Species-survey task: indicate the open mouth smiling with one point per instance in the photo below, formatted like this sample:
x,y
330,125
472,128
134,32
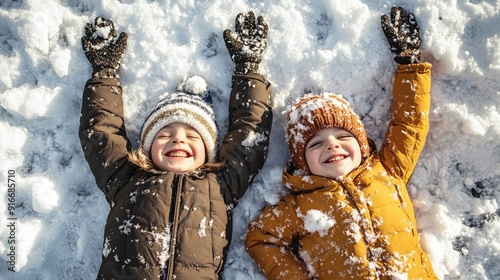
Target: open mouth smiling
x,y
178,154
335,158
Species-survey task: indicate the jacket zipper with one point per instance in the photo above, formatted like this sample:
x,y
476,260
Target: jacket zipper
x,y
174,219
365,225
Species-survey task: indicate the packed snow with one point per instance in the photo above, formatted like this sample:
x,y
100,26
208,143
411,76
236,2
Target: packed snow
x,y
53,211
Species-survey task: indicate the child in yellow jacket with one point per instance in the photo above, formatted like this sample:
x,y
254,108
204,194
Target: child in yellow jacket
x,y
349,214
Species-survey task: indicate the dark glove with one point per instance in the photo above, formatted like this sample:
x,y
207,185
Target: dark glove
x,y
247,44
403,35
102,49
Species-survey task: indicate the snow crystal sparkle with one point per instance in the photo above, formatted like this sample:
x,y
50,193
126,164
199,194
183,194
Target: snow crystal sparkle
x,y
40,50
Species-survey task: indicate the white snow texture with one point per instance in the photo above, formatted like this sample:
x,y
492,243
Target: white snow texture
x,y
313,46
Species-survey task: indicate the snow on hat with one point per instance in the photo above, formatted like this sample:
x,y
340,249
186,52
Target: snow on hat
x,y
191,105
312,113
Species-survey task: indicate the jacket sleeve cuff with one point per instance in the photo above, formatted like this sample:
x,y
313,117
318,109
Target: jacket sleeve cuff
x,y
421,67
250,76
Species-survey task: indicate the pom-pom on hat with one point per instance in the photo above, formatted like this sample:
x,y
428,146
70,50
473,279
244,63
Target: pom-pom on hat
x,y
314,112
191,105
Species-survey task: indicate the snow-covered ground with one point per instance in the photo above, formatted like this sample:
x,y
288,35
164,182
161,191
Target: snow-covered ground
x,y
314,46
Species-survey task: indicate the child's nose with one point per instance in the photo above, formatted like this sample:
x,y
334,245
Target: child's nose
x,y
178,138
332,143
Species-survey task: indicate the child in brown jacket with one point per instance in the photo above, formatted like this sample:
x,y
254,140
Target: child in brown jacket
x,y
349,214
171,199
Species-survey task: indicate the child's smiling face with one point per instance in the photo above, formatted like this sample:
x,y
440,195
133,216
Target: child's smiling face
x,y
178,148
332,152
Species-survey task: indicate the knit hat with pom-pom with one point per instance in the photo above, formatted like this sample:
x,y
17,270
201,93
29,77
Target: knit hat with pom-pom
x,y
191,105
312,113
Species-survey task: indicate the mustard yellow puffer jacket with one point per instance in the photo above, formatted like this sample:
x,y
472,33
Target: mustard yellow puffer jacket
x,y
362,226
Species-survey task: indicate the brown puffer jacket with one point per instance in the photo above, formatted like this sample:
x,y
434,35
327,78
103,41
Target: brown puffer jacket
x,y
362,226
160,223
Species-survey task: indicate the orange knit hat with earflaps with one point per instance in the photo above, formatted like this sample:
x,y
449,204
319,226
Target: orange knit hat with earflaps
x,y
314,112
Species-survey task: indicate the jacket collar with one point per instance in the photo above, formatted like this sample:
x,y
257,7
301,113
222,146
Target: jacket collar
x,y
297,180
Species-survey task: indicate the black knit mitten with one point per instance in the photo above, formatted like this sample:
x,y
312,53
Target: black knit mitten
x,y
101,47
247,43
403,35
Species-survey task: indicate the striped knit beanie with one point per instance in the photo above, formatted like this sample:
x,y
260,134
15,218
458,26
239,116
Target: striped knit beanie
x,y
312,113
191,105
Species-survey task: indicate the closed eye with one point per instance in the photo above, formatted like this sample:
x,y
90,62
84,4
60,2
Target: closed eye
x,y
163,136
313,144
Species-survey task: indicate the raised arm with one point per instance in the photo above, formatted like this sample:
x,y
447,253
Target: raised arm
x,y
246,143
102,131
405,137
